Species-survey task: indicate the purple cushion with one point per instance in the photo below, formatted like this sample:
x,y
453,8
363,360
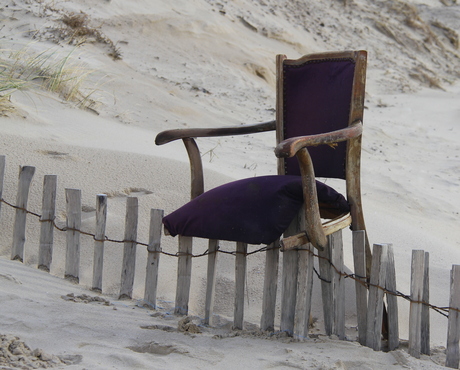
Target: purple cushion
x,y
255,210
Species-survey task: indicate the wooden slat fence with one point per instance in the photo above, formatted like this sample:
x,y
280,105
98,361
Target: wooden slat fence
x,y
297,273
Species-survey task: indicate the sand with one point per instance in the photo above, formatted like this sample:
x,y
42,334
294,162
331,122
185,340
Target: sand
x,y
203,63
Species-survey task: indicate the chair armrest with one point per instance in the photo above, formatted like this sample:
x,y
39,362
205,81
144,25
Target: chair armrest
x,y
289,147
171,135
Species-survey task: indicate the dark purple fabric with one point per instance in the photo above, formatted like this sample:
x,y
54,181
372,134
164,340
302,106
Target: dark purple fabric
x,y
255,210
317,97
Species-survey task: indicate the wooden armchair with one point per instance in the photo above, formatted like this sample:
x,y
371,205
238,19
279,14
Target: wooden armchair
x,y
319,121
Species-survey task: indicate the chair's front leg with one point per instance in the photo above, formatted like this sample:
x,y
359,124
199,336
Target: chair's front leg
x,y
196,167
313,226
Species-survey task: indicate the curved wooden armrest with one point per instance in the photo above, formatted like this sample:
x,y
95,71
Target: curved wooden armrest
x,y
171,135
289,147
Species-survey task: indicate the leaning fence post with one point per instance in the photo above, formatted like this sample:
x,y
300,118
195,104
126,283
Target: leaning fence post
x,y
375,302
392,300
359,259
213,246
19,232
73,209
272,256
99,236
45,251
416,296
453,325
2,175
240,283
129,250
153,258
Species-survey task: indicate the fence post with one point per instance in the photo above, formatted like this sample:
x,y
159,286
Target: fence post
x,y
392,301
184,273
213,246
289,290
73,209
240,284
416,296
425,334
304,291
359,259
338,284
99,236
2,175
129,250
19,232
153,258
325,271
45,251
375,302
453,325
272,256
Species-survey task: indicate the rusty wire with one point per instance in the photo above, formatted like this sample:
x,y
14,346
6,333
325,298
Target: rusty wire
x,y
360,279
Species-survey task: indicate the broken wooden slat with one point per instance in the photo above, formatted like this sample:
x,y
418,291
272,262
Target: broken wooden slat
x,y
19,232
153,258
375,301
213,246
184,275
73,209
392,301
272,256
45,250
129,250
359,259
240,283
453,325
99,237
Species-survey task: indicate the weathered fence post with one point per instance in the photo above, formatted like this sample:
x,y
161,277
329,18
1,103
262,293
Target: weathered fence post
x,y
416,323
425,335
392,301
2,175
99,237
359,259
129,250
375,302
304,291
453,328
240,284
73,209
272,256
289,290
184,274
211,281
45,250
19,232
153,258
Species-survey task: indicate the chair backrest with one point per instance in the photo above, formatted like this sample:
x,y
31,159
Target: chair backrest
x,y
320,93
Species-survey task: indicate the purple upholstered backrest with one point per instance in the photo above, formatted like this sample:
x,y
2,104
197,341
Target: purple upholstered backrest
x,y
316,99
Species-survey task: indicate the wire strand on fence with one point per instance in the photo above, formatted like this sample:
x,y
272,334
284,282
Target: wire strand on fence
x,y
360,279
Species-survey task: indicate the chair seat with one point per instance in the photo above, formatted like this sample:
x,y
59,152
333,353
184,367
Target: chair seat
x,y
256,210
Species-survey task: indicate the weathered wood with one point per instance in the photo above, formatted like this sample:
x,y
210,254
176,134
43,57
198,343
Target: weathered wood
x,y
453,325
213,246
325,272
359,259
2,175
19,232
272,256
99,237
129,250
392,302
338,284
184,275
45,249
304,292
240,284
196,167
73,209
416,296
289,291
375,301
153,258
425,334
